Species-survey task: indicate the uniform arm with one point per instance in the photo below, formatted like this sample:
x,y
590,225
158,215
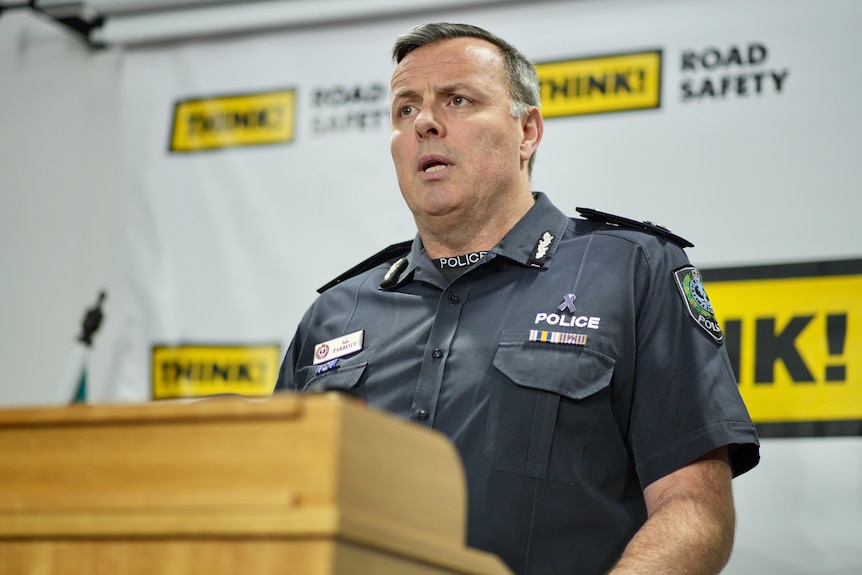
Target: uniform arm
x,y
690,524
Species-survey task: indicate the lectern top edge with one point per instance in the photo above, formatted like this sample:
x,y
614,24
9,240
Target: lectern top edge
x,y
283,406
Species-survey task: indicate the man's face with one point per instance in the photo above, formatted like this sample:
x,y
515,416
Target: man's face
x,y
455,145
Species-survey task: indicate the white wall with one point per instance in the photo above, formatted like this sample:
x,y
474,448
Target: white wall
x,y
58,164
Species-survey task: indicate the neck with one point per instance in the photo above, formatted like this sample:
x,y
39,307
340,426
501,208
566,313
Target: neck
x,y
457,234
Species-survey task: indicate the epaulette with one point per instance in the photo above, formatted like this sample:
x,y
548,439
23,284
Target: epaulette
x,y
384,255
620,221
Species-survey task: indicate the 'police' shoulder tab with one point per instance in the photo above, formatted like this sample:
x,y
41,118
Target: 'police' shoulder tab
x,y
384,255
620,221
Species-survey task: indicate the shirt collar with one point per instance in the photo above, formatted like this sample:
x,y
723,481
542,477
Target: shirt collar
x,y
531,242
534,239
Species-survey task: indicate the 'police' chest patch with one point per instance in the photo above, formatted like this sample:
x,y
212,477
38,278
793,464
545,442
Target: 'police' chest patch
x,y
697,303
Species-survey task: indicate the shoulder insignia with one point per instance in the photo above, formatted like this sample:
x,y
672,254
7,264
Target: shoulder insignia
x,y
384,255
690,285
622,222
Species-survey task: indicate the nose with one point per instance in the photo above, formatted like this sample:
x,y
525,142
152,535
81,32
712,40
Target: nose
x,y
427,123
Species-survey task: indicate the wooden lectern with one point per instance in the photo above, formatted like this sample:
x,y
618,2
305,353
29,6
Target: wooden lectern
x,y
299,485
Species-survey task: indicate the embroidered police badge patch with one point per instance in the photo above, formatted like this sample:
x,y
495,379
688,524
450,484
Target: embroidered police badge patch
x,y
696,301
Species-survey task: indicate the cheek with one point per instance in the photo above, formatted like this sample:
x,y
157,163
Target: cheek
x,y
493,151
398,149
393,145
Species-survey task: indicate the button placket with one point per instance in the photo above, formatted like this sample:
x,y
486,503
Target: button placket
x,y
437,350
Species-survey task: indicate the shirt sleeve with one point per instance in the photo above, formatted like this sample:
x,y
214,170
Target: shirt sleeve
x,y
287,374
684,397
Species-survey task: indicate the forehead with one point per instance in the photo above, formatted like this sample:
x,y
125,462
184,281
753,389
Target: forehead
x,y
458,59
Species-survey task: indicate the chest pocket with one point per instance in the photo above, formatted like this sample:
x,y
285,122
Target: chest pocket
x,y
342,378
543,410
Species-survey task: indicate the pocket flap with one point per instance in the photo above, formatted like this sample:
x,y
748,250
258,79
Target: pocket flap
x,y
342,378
572,371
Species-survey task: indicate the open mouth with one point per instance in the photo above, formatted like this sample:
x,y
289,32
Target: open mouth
x,y
432,164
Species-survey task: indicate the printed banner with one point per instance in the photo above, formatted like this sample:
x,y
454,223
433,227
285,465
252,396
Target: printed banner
x,y
794,335
255,169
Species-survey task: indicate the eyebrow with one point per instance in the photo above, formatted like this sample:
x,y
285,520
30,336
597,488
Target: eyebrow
x,y
402,93
456,87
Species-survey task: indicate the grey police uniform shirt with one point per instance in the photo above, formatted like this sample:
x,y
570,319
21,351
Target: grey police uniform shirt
x,y
570,367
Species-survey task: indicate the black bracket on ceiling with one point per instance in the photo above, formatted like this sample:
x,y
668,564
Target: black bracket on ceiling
x,y
75,23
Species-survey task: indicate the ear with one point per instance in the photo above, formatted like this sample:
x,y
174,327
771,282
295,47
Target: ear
x,y
533,127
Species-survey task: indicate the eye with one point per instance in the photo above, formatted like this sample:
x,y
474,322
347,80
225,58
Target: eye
x,y
405,111
458,101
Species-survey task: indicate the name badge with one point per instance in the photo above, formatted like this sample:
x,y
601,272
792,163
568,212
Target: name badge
x,y
338,347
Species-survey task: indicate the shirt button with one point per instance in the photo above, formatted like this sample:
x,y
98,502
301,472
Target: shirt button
x,y
454,299
437,353
422,414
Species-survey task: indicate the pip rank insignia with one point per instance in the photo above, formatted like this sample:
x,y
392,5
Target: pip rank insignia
x,y
338,347
558,337
697,303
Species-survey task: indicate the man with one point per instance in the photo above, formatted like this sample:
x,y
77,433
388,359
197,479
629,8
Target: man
x,y
575,364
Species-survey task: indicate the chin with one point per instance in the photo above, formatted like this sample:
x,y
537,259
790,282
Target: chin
x,y
436,202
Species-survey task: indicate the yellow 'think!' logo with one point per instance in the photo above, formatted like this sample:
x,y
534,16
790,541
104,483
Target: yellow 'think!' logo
x,y
205,370
601,84
222,122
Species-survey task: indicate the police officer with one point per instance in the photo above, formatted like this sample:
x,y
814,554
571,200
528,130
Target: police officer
x,y
576,364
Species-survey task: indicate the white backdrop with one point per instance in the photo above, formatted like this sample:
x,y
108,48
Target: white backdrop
x,y
226,247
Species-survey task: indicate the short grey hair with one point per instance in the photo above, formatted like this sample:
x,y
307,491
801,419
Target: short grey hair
x,y
521,77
